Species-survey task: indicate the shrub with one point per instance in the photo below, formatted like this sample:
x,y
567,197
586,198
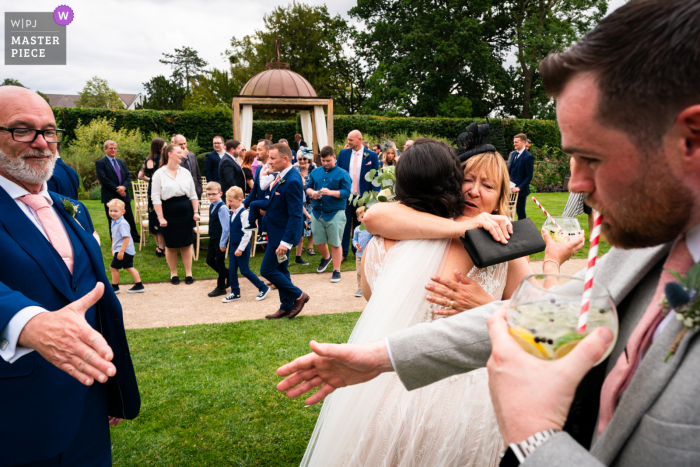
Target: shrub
x,y
95,193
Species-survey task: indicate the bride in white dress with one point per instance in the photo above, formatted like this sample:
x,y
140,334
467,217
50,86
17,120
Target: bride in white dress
x,y
451,422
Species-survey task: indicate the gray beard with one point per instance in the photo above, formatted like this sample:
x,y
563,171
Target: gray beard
x,y
20,170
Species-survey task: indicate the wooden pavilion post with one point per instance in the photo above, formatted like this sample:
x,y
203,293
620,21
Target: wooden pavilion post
x,y
237,119
329,122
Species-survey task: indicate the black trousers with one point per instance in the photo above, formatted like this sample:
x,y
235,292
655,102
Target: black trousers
x,y
217,261
520,206
129,216
350,224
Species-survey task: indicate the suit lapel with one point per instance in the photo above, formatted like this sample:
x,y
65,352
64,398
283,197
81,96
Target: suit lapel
x,y
27,236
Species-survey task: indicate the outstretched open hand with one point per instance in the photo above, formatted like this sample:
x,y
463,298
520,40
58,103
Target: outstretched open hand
x,y
333,366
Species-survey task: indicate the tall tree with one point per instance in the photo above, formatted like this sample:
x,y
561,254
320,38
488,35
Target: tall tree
x,y
432,58
186,64
98,94
544,26
313,42
164,94
213,89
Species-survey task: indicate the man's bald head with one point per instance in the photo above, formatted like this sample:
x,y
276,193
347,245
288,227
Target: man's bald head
x,y
30,163
355,140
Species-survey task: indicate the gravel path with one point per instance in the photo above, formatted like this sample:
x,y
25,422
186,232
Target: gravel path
x,y
164,304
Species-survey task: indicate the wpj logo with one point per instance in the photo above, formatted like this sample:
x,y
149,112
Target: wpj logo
x,y
36,38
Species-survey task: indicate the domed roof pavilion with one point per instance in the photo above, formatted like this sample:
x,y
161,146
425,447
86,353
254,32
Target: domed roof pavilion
x,y
280,91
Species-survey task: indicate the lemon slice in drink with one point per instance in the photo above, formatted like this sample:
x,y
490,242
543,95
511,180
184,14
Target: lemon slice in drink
x,y
566,343
527,342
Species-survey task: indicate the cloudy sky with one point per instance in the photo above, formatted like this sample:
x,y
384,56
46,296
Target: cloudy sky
x,y
122,40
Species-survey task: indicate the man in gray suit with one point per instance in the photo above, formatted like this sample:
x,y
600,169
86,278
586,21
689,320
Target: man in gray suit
x,y
189,161
633,77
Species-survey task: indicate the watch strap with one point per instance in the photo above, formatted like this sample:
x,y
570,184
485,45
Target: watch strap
x,y
524,448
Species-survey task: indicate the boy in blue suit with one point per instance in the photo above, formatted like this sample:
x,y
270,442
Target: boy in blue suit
x,y
357,161
521,169
283,223
54,309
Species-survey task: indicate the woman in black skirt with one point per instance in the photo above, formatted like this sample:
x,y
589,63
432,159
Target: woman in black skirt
x,y
177,205
148,168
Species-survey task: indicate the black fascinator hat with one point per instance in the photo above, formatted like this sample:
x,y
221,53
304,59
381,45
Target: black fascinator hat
x,y
473,141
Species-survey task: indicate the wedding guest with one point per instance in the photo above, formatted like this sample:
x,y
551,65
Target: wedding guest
x,y
258,193
360,239
389,157
149,167
365,144
218,225
64,180
357,161
521,170
247,166
176,202
639,402
377,148
329,187
115,179
189,161
527,145
294,153
256,165
297,143
63,349
123,250
212,159
230,171
305,166
408,144
239,247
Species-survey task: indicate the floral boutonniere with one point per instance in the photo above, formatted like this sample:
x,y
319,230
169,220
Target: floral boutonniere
x,y
365,154
72,209
683,297
282,181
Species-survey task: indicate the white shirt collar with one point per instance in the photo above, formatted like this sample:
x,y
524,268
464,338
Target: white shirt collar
x,y
110,157
221,154
692,240
285,171
15,191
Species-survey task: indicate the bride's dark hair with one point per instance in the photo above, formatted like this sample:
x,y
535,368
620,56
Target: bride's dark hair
x,y
429,179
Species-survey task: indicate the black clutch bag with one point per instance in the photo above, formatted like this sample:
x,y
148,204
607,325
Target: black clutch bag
x,y
525,240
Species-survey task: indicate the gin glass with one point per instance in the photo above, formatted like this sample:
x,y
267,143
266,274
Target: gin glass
x,y
545,321
569,225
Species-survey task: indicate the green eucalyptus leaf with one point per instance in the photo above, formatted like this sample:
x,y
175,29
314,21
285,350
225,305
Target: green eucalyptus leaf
x,y
382,198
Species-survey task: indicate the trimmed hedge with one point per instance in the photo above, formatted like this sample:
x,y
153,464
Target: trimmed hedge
x,y
205,124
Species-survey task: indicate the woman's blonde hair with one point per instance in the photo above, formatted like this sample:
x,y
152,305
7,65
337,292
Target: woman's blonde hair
x,y
493,165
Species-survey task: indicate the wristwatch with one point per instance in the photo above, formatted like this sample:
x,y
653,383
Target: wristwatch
x,y
517,452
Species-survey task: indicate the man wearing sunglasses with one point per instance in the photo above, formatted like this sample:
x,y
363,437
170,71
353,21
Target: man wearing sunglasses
x,y
65,370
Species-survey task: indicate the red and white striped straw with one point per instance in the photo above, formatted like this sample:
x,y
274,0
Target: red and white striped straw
x,y
590,272
547,214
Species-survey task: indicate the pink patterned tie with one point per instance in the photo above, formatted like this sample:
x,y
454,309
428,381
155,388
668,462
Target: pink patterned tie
x,y
353,172
52,225
639,342
277,179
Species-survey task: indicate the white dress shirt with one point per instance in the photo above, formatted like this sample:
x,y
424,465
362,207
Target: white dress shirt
x,y
164,186
221,154
357,173
9,351
692,239
241,211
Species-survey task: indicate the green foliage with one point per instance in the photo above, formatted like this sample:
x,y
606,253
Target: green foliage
x,y
551,166
186,64
96,194
212,90
385,180
11,82
163,94
313,42
98,94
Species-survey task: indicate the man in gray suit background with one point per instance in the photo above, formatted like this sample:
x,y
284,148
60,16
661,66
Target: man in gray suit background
x,y
633,78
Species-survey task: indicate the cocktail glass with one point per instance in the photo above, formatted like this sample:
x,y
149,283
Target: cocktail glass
x,y
570,227
545,321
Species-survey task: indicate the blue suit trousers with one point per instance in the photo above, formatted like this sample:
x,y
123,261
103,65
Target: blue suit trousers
x,y
278,274
241,262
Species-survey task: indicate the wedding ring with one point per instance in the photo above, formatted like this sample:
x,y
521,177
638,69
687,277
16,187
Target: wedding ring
x,y
452,303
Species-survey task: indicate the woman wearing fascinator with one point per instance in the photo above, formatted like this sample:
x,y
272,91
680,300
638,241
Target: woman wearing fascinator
x,y
451,422
389,154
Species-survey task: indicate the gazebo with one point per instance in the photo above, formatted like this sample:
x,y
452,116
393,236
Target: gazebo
x,y
280,91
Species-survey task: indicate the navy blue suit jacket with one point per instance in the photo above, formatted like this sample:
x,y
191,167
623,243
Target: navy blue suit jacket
x,y
369,162
42,406
64,181
283,215
521,171
109,180
211,166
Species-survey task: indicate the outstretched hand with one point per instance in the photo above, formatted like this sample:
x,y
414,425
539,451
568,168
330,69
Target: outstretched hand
x,y
562,251
65,339
500,227
333,366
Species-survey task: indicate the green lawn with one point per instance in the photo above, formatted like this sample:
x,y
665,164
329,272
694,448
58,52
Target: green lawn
x,y
153,269
209,398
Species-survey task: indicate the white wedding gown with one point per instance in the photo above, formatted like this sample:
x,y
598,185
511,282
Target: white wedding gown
x,y
380,423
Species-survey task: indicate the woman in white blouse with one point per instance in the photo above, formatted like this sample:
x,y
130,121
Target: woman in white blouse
x,y
177,205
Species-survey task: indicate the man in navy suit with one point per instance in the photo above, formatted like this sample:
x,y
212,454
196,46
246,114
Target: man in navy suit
x,y
357,161
65,370
521,169
230,171
212,160
257,193
283,224
65,180
115,179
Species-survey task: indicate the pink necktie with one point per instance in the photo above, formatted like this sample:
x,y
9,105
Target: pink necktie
x,y
52,225
353,172
277,179
639,342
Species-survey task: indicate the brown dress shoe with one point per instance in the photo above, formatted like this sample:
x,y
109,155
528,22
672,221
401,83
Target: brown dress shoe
x,y
298,305
278,314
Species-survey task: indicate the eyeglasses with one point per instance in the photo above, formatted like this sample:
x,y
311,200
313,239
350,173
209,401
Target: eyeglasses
x,y
28,135
212,194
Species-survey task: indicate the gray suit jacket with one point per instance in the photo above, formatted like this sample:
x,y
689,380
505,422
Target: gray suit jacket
x,y
658,419
190,163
